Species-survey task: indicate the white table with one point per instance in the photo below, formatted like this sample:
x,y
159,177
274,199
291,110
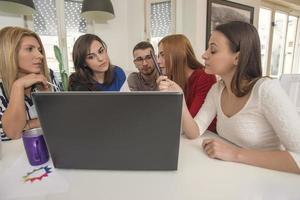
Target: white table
x,y
198,177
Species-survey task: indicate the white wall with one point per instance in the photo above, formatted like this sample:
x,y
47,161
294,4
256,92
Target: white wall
x,y
123,32
127,28
194,21
10,20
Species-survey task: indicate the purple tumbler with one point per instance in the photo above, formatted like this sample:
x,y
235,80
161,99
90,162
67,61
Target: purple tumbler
x,y
35,146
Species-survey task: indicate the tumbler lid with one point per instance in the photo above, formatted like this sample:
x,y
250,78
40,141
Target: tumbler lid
x,y
33,132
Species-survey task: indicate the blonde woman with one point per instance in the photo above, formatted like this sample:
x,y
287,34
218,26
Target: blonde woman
x,y
22,67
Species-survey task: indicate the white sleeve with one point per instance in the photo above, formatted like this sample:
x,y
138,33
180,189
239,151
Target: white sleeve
x,y
282,115
125,87
208,110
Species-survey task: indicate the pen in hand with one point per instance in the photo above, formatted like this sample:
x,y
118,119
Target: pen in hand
x,y
156,64
35,87
57,88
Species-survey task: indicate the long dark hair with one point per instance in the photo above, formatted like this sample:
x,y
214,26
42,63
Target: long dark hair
x,y
243,38
83,74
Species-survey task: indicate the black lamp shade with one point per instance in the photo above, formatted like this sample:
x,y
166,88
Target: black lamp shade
x,y
98,10
23,7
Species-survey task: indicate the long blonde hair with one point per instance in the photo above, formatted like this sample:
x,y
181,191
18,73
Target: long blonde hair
x,y
10,42
178,55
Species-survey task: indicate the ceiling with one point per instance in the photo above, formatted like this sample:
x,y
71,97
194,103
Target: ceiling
x,y
297,2
292,4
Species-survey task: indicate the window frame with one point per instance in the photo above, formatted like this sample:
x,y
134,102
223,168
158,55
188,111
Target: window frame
x,y
147,7
295,61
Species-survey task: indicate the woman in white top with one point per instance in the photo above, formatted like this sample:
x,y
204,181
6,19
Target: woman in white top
x,y
253,112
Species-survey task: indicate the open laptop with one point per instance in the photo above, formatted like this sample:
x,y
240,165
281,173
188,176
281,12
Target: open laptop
x,y
111,130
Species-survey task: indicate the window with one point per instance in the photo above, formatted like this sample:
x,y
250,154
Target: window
x,y
46,24
279,42
264,33
290,44
76,26
160,19
296,64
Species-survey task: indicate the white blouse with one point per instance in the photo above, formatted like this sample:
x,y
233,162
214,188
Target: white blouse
x,y
268,121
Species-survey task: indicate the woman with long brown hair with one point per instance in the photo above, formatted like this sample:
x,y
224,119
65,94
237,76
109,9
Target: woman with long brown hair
x,y
254,113
93,70
177,58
